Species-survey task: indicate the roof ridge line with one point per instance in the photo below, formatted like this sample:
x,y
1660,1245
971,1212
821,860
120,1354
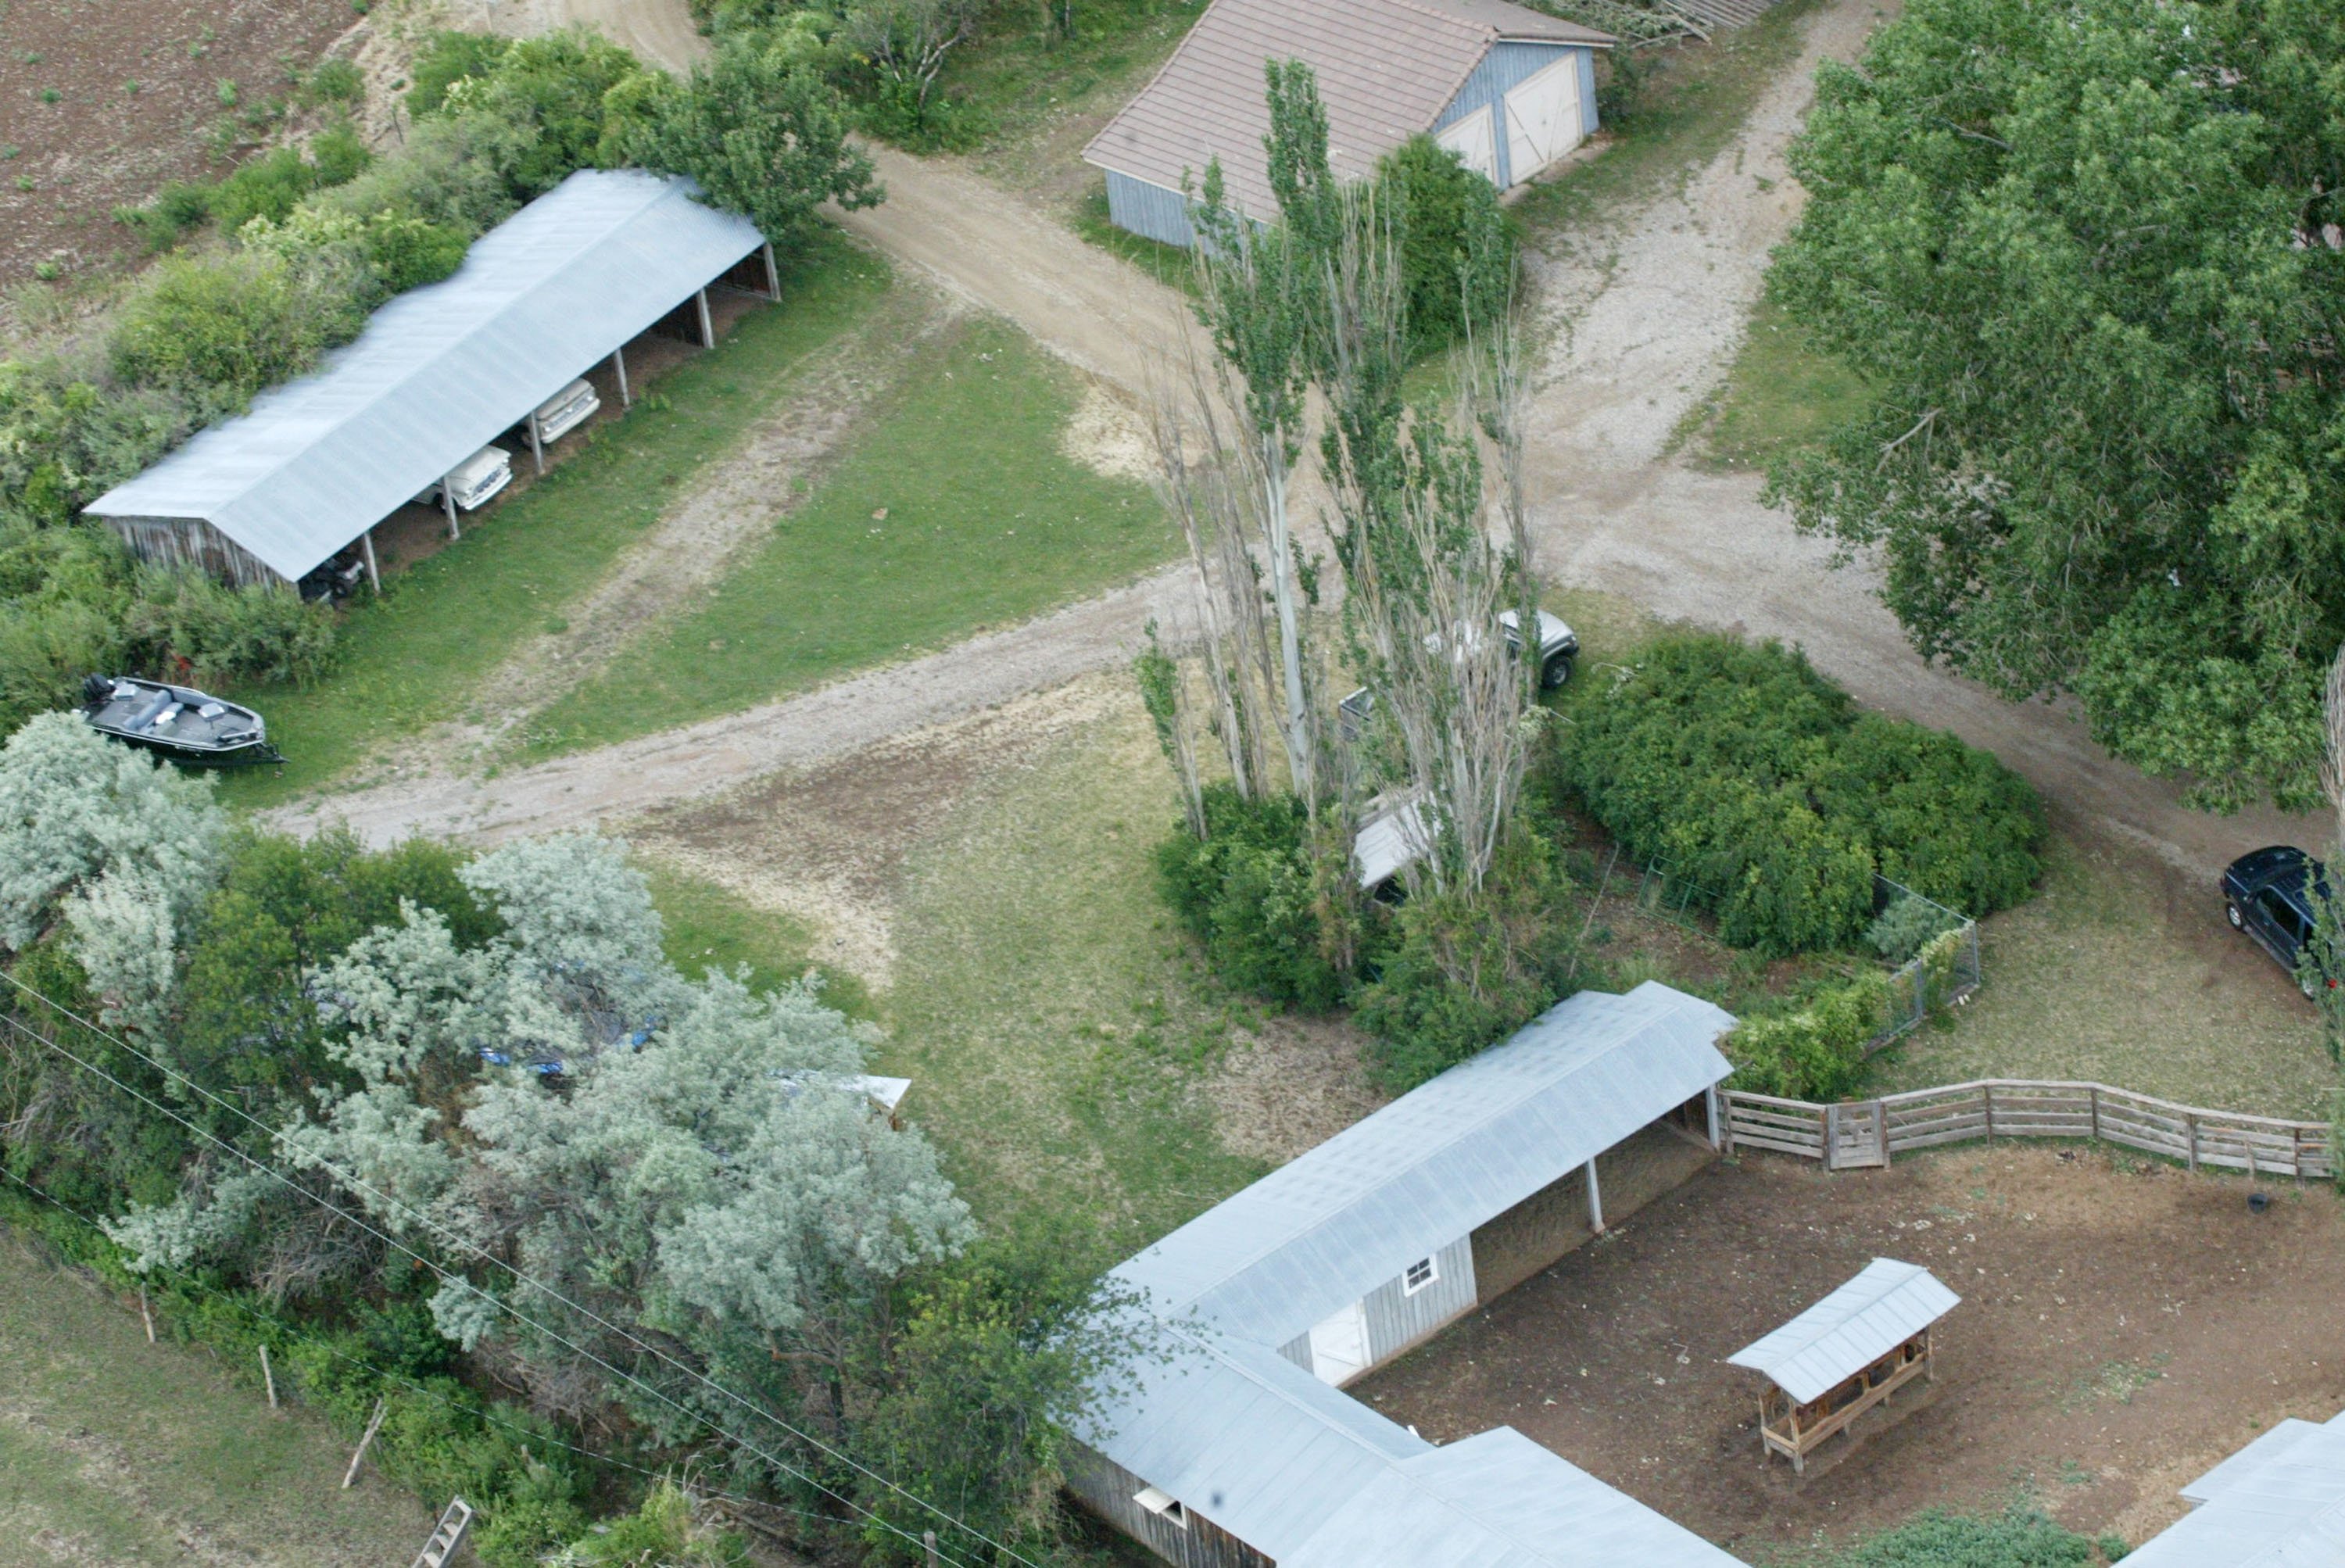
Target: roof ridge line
x,y
1253,1258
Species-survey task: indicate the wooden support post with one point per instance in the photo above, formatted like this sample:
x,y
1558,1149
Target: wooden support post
x,y
1709,1112
1832,1137
536,444
2095,1095
145,1315
374,574
1880,1130
927,1537
1595,1201
773,275
2190,1129
373,1426
1986,1098
268,1377
707,327
619,364
448,504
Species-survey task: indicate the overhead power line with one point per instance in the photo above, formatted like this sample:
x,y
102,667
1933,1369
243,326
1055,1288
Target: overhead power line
x,y
464,1246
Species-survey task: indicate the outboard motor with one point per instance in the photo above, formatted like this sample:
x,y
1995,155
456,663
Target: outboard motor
x,y
96,689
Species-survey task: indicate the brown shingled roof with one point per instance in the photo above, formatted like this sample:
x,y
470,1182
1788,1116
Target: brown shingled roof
x,y
1386,68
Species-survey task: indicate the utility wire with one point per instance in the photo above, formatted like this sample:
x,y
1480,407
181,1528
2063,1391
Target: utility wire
x,y
461,1244
527,1435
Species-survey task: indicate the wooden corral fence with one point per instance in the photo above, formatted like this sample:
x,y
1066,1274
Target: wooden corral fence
x,y
1864,1133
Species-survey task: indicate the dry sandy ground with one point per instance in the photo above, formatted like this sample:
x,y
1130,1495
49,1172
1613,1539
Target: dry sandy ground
x,y
2124,1325
1643,319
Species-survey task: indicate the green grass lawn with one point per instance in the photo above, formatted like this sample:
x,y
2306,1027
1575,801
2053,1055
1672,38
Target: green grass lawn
x,y
1168,264
1782,394
1009,89
410,660
113,1450
704,926
2122,972
956,510
1057,1031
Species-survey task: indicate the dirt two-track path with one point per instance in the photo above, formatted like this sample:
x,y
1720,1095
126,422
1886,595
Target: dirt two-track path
x,y
1640,320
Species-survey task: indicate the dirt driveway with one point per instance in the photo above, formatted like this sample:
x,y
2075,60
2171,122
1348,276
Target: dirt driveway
x,y
2123,1327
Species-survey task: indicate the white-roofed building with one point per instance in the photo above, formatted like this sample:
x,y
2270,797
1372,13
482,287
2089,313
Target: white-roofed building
x,y
2279,1503
439,373
1231,1445
1846,1355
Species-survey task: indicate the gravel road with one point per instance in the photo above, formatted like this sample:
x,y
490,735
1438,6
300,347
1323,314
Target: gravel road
x,y
1644,321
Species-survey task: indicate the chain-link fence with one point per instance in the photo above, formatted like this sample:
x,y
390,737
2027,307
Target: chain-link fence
x,y
1944,971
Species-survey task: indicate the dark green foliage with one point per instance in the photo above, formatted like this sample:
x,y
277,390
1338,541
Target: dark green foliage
x,y
226,635
445,59
2080,257
2022,1537
1245,891
1814,1051
333,82
1463,973
228,324
992,1356
1906,927
1456,250
765,137
554,87
406,253
1756,780
271,185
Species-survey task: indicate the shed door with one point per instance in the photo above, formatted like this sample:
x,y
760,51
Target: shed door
x,y
1339,1346
1471,140
1543,119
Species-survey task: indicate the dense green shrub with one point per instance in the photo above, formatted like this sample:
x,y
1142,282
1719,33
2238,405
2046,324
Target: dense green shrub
x,y
271,185
231,324
1245,891
446,58
259,632
1906,927
1463,973
1757,781
1456,250
1816,1053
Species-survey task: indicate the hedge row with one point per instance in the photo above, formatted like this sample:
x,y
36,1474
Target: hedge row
x,y
1758,782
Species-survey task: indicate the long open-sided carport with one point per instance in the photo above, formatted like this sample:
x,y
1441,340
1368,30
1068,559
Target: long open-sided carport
x,y
439,373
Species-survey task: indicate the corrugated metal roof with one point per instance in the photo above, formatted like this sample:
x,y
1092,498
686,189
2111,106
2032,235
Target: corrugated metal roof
x,y
441,371
1350,1215
1386,69
1885,1306
2280,1502
1497,1499
1213,1415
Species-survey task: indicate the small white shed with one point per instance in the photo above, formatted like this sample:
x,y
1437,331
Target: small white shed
x,y
1846,1355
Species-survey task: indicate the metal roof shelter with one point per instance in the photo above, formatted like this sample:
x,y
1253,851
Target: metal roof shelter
x,y
1846,1354
1386,70
439,373
1212,1416
2279,1503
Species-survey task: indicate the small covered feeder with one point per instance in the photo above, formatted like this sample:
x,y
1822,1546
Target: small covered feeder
x,y
1845,1355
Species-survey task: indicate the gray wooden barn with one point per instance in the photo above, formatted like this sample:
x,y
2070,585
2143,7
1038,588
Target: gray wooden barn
x,y
2279,1503
439,373
1506,88
1230,1445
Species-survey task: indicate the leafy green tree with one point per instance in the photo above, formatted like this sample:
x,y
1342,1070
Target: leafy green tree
x,y
230,325
764,135
2089,262
1456,251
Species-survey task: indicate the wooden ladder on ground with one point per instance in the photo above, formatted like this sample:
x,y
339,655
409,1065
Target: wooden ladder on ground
x,y
447,1536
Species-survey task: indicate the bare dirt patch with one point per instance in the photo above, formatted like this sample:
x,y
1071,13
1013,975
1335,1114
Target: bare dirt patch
x,y
1288,1085
828,844
2123,1326
102,103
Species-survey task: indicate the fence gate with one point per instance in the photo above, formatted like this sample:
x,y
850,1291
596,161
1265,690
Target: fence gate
x,y
1855,1136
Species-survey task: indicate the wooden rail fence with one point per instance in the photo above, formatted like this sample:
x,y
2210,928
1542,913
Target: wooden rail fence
x,y
1862,1132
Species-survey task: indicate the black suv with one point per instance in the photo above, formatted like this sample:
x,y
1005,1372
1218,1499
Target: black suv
x,y
2267,894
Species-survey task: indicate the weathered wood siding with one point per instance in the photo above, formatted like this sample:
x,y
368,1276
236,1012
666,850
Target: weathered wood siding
x,y
1505,67
1107,1489
1397,1320
190,542
1149,210
1553,1220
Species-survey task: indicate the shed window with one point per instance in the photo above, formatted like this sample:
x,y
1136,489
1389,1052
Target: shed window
x,y
1163,1505
1420,1274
